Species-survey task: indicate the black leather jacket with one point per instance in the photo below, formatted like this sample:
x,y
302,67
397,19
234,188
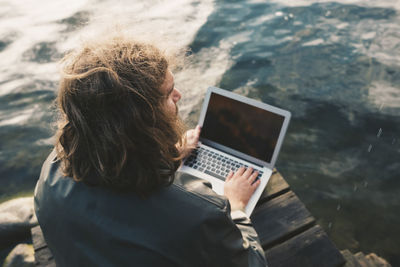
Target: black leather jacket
x,y
185,224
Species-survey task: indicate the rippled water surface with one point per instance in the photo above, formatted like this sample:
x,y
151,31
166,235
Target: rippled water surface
x,y
334,65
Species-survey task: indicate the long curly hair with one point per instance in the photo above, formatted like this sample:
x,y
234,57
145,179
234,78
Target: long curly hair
x,y
113,129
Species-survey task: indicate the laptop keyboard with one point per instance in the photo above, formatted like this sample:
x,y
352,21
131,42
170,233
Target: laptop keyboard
x,y
214,164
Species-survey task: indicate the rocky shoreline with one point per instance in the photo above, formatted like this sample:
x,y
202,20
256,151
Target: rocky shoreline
x,y
17,217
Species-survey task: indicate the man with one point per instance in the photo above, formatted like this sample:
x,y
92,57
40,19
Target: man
x,y
110,195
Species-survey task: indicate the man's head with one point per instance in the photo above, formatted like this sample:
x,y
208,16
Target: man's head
x,y
119,123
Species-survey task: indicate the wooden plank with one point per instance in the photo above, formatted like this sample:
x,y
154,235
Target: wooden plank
x,y
275,187
37,238
310,248
44,258
281,218
43,255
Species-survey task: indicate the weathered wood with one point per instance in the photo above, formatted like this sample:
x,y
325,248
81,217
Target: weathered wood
x,y
37,238
43,257
280,219
275,187
310,248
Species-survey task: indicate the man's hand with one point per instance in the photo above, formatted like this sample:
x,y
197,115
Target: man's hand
x,y
191,139
239,187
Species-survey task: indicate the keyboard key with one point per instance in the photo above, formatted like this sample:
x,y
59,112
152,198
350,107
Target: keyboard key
x,y
213,163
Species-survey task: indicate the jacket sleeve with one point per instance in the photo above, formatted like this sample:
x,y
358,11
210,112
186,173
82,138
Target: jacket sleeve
x,y
231,237
235,242
251,242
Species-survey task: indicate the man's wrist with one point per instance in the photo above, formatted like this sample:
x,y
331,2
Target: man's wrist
x,y
238,206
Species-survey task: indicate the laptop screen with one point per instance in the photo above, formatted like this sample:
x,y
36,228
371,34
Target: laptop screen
x,y
242,127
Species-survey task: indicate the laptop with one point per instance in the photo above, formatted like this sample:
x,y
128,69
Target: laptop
x,y
237,131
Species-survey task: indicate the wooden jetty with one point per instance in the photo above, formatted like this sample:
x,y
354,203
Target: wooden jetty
x,y
288,233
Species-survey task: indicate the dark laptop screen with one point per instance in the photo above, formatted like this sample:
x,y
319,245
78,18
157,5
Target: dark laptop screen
x,y
245,128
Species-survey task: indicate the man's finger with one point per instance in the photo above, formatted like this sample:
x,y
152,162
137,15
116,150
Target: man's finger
x,y
253,177
240,171
197,131
230,175
248,172
255,184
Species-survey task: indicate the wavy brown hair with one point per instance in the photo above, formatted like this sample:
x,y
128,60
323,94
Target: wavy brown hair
x,y
114,130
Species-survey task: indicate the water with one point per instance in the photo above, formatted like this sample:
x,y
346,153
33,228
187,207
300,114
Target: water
x,y
335,65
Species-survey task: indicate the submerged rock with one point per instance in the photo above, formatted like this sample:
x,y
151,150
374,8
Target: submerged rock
x,y
21,256
360,259
16,218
